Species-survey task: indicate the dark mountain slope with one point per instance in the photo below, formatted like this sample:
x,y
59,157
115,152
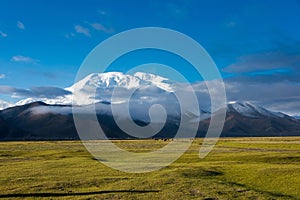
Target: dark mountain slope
x,y
39,121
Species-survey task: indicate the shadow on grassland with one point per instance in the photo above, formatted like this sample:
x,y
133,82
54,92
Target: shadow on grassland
x,y
73,194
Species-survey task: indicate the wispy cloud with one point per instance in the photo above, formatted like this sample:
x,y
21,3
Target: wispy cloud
x,y
177,10
69,35
285,55
264,61
2,34
83,30
25,59
20,25
282,96
101,27
49,75
2,76
35,92
269,78
102,12
230,24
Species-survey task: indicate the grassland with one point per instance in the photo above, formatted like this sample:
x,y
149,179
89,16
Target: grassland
x,y
237,168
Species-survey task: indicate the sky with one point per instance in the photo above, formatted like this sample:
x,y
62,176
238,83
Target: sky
x,y
255,44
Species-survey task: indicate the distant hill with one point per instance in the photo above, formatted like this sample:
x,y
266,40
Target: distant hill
x,y
245,119
40,121
52,118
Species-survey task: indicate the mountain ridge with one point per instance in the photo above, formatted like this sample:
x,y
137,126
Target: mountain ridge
x,y
52,119
40,121
99,87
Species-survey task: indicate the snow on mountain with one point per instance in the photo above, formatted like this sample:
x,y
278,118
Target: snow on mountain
x,y
249,110
118,79
149,88
99,87
26,101
5,104
105,80
158,81
62,100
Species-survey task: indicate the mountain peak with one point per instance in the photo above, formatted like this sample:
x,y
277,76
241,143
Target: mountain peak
x,y
5,104
248,109
118,79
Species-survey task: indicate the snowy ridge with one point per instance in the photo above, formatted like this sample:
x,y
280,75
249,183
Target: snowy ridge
x,y
98,87
149,89
158,81
5,104
118,79
66,100
250,110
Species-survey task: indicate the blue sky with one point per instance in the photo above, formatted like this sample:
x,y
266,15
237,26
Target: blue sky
x,y
42,43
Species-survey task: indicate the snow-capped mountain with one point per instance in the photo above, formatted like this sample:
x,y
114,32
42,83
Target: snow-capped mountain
x,y
98,87
62,100
45,118
250,110
39,121
5,104
118,79
149,88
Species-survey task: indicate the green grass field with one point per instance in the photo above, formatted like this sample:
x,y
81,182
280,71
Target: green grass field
x,y
237,168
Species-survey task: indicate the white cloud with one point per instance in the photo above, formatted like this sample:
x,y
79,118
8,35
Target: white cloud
x,y
82,30
34,92
69,35
3,34
102,12
280,96
230,24
100,27
264,61
25,59
20,25
2,76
